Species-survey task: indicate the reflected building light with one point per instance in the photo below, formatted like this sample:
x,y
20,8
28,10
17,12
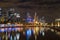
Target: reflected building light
x,y
36,29
43,33
8,35
11,38
14,37
28,33
18,36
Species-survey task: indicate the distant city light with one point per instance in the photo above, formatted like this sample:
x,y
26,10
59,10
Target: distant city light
x,y
11,9
29,20
57,19
17,16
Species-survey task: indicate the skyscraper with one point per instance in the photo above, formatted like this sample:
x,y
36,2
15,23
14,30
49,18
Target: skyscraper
x,y
29,18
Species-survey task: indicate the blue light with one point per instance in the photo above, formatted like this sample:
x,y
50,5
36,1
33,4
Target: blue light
x,y
13,29
28,34
3,30
9,30
29,20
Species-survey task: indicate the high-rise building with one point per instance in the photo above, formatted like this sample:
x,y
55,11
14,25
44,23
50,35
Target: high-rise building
x,y
29,18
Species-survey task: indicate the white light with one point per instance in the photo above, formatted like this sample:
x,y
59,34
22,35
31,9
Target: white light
x,y
17,15
2,30
43,33
2,25
57,19
18,36
52,30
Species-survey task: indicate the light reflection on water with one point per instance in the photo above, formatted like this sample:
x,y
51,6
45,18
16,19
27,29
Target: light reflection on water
x,y
30,31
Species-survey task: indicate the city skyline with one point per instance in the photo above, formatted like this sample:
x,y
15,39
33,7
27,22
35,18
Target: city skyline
x,y
47,8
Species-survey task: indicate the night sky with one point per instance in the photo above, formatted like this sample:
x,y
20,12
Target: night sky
x,y
50,9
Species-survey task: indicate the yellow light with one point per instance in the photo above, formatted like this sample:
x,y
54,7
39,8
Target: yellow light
x,y
36,22
41,23
36,29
